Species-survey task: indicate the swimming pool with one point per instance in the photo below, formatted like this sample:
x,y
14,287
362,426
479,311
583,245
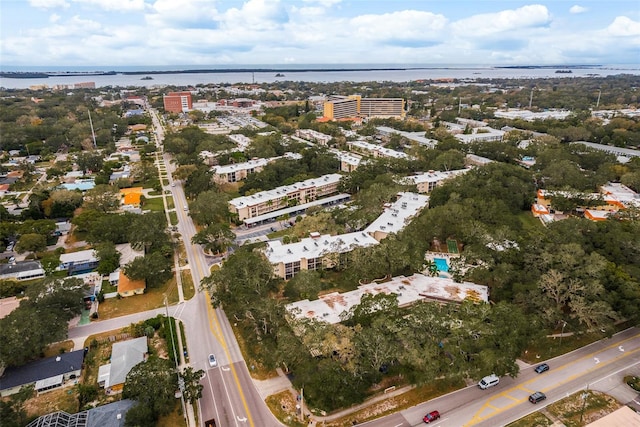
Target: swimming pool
x,y
441,263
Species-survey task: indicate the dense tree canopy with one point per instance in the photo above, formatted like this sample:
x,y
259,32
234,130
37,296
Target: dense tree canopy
x,y
41,319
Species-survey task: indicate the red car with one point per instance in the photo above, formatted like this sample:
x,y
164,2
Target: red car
x,y
431,416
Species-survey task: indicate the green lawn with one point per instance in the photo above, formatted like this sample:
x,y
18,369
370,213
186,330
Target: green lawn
x,y
173,217
156,204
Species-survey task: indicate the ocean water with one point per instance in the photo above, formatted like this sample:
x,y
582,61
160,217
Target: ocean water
x,y
305,73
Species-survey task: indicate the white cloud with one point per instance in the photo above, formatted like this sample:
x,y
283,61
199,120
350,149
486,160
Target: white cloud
x,y
183,13
402,25
54,18
324,3
575,9
507,20
115,5
48,4
623,26
256,15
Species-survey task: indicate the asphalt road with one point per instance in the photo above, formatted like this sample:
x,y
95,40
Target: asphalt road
x,y
229,394
589,367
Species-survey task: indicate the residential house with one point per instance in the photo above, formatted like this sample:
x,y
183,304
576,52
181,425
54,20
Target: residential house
x,y
131,196
45,374
21,270
128,287
78,262
124,356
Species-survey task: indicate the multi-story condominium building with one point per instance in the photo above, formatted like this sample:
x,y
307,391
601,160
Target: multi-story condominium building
x,y
282,197
348,161
323,251
177,102
374,150
312,253
238,171
484,134
382,107
427,181
313,136
343,107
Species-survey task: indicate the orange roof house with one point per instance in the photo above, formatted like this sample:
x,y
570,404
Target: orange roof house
x,y
128,287
132,195
138,127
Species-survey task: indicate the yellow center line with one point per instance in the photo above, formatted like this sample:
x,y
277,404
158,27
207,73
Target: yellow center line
x,y
215,327
477,417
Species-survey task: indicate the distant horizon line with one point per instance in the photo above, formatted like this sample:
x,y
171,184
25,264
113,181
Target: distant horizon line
x,y
141,69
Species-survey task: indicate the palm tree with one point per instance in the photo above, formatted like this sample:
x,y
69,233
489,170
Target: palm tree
x,y
432,267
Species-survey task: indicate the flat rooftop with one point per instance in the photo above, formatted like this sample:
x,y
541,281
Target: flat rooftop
x,y
395,217
316,247
280,192
409,290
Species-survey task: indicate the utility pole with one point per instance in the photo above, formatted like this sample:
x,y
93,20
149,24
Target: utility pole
x,y
599,93
93,134
175,358
531,97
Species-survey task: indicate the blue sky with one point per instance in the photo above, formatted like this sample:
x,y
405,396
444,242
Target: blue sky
x,y
281,32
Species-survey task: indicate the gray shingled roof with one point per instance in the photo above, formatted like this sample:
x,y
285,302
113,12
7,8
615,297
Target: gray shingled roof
x,y
42,369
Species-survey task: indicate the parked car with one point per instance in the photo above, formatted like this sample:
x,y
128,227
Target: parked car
x,y
536,397
431,416
489,381
212,361
542,368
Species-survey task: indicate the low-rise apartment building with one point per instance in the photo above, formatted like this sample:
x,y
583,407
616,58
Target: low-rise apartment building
x,y
313,136
374,150
426,182
282,197
238,171
331,308
323,251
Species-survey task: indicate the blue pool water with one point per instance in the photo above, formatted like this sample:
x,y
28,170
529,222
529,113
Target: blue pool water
x,y
441,263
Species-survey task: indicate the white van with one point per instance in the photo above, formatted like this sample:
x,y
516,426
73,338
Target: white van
x,y
488,381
